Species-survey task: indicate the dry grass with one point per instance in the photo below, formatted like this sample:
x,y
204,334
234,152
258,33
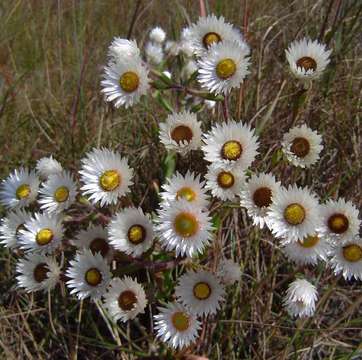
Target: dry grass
x,y
51,56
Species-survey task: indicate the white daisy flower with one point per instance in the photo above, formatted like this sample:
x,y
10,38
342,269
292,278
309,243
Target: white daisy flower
x,y
19,189
157,34
43,233
94,238
188,187
47,166
223,67
131,231
37,272
10,227
224,184
346,258
154,53
340,220
125,299
307,59
89,275
229,271
231,145
302,146
211,30
201,292
123,49
125,81
184,228
186,43
106,176
300,299
176,326
58,193
307,251
256,196
181,132
294,214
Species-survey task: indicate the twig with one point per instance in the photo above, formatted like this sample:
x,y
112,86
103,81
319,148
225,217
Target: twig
x,y
134,19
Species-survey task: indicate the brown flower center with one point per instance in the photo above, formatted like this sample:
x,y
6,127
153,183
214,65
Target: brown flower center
x,y
181,134
338,223
300,147
262,197
99,245
307,63
225,179
210,38
40,272
127,300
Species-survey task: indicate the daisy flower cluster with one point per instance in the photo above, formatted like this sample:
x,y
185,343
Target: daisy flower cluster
x,y
52,212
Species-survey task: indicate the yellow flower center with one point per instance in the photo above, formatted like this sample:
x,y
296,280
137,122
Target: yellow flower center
x,y
338,223
186,193
110,180
93,277
294,214
61,194
231,150
225,68
136,234
44,237
181,134
99,245
300,147
186,224
225,179
309,241
180,321
40,272
129,81
352,252
210,38
262,197
23,191
202,290
307,63
127,300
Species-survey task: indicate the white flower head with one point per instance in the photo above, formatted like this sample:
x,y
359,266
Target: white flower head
x,y
294,214
256,196
106,176
188,187
231,145
58,193
94,238
89,275
125,81
154,53
340,220
300,299
224,184
10,227
123,49
181,132
19,189
176,326
184,228
201,292
37,272
42,233
223,67
310,250
211,30
125,299
307,59
47,166
302,146
346,258
131,231
157,34
229,271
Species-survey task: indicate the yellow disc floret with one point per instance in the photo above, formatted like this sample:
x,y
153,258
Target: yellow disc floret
x,y
23,191
129,81
136,234
61,194
210,38
180,321
225,68
231,150
352,252
110,180
186,193
186,224
202,290
294,214
93,277
44,237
